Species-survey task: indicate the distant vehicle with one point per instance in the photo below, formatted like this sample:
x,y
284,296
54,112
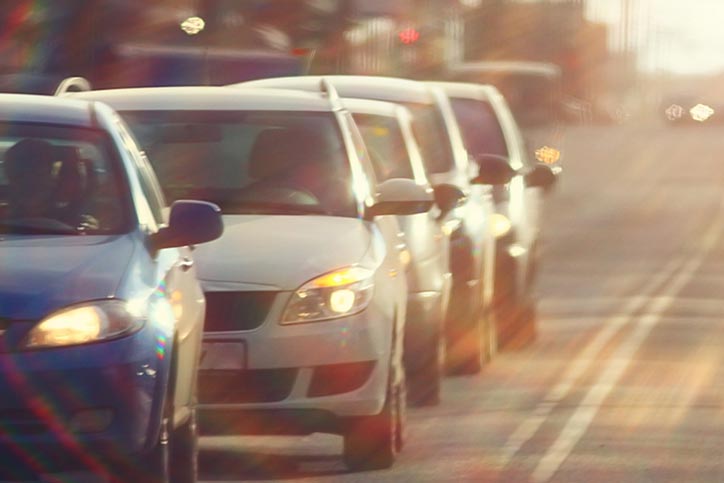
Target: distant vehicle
x,y
101,314
387,131
489,129
446,160
306,292
533,91
689,109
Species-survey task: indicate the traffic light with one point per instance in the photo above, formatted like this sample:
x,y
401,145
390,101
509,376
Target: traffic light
x,y
409,36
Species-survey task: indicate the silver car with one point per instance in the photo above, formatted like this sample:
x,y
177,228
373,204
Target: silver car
x,y
306,293
468,340
489,129
387,131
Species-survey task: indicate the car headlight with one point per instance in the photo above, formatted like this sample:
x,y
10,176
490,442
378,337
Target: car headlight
x,y
332,295
83,324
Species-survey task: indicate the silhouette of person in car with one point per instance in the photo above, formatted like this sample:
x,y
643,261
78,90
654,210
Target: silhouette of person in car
x,y
31,184
37,189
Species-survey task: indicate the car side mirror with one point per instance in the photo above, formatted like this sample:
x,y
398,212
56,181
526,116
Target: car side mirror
x,y
541,176
401,196
190,223
448,197
493,170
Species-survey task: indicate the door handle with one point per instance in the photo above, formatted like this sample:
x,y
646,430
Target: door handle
x,y
186,264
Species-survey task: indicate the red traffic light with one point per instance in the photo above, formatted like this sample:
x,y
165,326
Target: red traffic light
x,y
409,36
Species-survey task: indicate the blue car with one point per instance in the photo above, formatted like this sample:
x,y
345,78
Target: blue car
x,y
101,315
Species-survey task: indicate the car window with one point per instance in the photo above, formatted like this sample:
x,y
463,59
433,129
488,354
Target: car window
x,y
60,180
249,162
431,133
480,127
384,140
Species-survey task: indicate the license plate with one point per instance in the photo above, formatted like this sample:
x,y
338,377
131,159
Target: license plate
x,y
223,356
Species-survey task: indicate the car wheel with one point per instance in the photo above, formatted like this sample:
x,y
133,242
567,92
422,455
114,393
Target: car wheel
x,y
173,459
370,442
425,378
184,452
526,330
466,354
152,467
518,316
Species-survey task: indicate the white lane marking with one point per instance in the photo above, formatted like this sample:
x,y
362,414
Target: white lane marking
x,y
580,365
578,424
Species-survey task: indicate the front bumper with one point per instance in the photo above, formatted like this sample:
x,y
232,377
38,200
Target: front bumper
x,y
63,407
338,367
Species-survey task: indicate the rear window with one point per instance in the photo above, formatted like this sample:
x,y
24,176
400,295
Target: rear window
x,y
431,134
480,127
386,146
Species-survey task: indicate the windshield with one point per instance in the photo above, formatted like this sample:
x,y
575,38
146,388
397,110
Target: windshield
x,y
273,162
386,146
480,127
431,134
60,180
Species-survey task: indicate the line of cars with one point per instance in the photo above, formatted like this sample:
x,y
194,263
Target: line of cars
x,y
365,253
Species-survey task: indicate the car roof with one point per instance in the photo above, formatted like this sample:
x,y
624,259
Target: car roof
x,y
468,90
544,69
206,98
368,106
390,89
46,110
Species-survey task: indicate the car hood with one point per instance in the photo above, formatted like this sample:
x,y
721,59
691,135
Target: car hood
x,y
41,274
281,252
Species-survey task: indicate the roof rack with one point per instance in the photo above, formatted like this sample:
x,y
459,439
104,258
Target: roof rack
x,y
328,89
72,84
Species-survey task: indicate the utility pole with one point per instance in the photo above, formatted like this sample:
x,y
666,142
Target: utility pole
x,y
626,26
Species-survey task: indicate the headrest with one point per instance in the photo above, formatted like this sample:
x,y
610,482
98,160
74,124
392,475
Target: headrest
x,y
28,158
278,150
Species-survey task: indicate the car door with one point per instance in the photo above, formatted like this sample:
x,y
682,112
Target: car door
x,y
175,280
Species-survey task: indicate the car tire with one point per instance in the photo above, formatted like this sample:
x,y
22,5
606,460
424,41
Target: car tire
x,y
469,353
173,458
425,379
526,329
518,316
371,442
183,456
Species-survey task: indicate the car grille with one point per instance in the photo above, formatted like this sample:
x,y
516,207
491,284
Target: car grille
x,y
253,386
233,311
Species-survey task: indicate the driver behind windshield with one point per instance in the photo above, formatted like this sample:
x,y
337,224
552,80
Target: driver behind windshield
x,y
31,184
34,188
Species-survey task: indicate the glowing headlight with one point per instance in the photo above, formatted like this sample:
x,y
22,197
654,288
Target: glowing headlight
x,y
336,294
83,324
499,225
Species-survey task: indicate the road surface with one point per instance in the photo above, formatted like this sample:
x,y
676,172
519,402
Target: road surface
x,y
626,380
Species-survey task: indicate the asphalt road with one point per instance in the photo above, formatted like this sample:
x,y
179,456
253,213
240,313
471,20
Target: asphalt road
x,y
626,380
